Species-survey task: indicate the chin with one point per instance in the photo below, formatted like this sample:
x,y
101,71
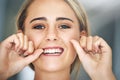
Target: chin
x,y
49,66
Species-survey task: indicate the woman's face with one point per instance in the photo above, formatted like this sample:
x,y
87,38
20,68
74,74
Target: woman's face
x,y
51,24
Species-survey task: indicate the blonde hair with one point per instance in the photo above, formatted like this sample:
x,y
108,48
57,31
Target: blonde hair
x,y
80,14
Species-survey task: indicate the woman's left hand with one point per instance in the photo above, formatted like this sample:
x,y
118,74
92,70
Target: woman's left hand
x,y
95,56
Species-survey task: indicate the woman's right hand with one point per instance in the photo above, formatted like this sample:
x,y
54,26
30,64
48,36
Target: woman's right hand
x,y
16,52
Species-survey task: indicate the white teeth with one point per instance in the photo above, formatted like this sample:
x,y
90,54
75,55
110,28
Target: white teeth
x,y
52,51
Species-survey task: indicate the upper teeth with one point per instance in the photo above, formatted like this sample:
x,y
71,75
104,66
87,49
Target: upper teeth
x,y
50,51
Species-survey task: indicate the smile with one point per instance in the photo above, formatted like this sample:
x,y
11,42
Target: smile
x,y
53,51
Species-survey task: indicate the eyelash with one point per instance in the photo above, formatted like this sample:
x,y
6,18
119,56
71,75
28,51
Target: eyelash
x,y
39,27
63,26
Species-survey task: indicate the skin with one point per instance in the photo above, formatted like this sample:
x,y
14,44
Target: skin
x,y
92,51
52,35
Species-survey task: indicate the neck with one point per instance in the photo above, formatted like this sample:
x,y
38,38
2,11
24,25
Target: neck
x,y
60,75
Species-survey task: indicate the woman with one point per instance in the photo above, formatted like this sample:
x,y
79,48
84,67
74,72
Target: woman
x,y
53,37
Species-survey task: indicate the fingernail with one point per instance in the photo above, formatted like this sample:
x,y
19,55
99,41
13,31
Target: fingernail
x,y
96,51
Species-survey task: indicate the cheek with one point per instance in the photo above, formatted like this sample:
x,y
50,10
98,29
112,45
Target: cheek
x,y
70,36
71,53
36,38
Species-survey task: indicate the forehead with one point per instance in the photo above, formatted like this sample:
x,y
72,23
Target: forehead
x,y
51,8
48,3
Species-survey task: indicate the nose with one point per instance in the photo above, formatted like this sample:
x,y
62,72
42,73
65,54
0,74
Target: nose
x,y
51,35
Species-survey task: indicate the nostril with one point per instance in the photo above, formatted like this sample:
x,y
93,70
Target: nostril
x,y
49,39
55,39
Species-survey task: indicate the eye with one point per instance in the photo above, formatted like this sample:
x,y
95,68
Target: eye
x,y
39,27
64,27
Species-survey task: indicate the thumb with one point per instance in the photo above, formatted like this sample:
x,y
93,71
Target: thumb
x,y
81,53
29,59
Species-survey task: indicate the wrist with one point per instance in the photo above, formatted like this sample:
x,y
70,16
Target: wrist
x,y
108,75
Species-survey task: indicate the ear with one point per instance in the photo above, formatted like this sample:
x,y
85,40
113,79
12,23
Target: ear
x,y
83,33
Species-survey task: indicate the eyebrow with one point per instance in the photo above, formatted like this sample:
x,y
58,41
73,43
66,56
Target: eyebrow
x,y
64,18
39,18
58,19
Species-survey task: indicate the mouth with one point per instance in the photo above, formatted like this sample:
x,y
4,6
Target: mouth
x,y
53,51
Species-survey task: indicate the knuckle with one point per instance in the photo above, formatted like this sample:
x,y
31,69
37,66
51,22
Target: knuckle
x,y
89,36
20,33
96,36
29,51
25,48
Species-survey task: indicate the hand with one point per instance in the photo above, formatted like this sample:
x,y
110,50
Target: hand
x,y
16,52
95,56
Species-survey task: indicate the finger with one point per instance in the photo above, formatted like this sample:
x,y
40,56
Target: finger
x,y
81,53
89,44
29,59
17,42
83,42
11,41
103,48
95,44
21,39
25,46
30,48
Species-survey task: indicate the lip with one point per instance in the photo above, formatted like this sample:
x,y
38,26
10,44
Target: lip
x,y
50,48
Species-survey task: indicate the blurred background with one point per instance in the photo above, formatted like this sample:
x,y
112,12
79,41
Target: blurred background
x,y
104,17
